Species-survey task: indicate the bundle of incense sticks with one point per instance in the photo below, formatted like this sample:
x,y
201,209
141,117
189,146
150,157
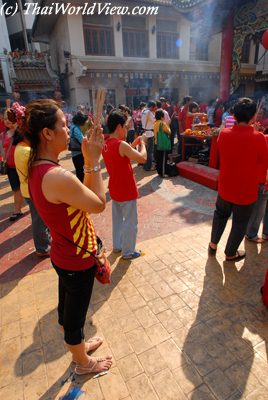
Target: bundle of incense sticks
x,y
99,105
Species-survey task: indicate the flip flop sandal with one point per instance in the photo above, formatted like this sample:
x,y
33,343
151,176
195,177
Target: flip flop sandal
x,y
240,255
211,251
91,367
15,216
95,339
255,239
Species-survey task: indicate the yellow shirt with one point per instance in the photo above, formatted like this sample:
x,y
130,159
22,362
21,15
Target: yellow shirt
x,y
156,129
21,156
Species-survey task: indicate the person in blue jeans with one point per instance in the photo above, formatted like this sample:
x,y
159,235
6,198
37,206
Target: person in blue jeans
x,y
260,210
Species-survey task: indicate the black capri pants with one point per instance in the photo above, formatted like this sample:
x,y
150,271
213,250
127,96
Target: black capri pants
x,y
13,178
75,289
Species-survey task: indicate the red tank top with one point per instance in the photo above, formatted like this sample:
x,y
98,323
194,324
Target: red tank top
x,y
122,184
68,226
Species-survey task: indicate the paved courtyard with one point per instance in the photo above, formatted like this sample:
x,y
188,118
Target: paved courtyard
x,y
180,325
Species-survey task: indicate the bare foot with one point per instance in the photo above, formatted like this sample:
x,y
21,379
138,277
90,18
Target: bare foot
x,y
93,343
95,365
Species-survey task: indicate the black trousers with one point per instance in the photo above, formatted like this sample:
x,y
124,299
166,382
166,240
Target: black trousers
x,y
241,215
75,289
161,162
78,162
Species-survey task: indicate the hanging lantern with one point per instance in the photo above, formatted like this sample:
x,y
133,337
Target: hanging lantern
x,y
264,40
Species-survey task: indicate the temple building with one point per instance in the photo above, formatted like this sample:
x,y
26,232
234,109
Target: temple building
x,y
25,72
204,48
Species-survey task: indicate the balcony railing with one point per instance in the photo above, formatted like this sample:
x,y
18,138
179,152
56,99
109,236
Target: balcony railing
x,y
167,45
99,41
135,43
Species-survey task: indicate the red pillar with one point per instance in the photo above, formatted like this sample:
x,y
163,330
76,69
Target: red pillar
x,y
226,57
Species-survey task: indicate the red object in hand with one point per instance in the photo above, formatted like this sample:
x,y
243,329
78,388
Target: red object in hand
x,y
264,40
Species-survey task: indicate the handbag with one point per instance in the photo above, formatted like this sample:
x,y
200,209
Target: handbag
x,y
163,142
103,270
3,163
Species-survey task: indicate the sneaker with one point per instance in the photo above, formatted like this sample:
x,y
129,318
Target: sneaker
x,y
133,255
117,250
265,237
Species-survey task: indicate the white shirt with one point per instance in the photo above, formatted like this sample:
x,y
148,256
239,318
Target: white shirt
x,y
148,120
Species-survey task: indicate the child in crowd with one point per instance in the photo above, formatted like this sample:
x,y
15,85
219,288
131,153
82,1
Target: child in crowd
x,y
117,155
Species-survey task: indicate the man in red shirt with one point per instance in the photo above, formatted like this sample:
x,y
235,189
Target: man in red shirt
x,y
241,151
117,155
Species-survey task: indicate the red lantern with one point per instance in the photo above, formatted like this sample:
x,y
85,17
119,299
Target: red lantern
x,y
264,40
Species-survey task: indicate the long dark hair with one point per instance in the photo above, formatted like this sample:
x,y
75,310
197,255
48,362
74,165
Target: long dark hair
x,y
39,114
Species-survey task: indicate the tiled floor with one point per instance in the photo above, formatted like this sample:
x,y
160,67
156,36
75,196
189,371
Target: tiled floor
x,y
180,325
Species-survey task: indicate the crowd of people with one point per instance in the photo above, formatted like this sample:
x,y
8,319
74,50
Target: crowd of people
x,y
61,203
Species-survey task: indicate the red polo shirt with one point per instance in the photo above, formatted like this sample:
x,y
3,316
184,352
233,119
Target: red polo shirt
x,y
242,151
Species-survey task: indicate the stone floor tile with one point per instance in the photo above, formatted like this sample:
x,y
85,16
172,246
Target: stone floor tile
x,y
259,394
130,366
223,357
97,297
166,387
147,292
145,269
157,305
13,391
166,275
260,369
187,378
119,307
242,377
201,393
163,289
34,388
10,331
128,323
261,349
119,345
178,286
174,301
102,311
172,355
157,333
110,326
190,298
169,320
220,384
113,387
59,369
127,288
153,278
158,265
140,388
201,360
146,317
135,302
33,365
179,336
152,361
186,316
137,279
139,340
